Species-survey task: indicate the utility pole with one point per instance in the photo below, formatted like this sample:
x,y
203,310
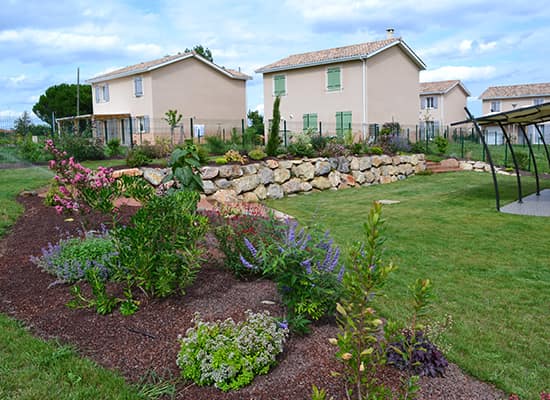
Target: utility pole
x,y
78,91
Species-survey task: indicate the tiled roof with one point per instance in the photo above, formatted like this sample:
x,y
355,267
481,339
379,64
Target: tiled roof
x,y
526,90
440,86
337,54
153,64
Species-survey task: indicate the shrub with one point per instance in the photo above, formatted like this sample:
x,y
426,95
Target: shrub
x,y
220,160
301,145
273,140
419,147
234,156
306,269
30,151
158,251
136,157
257,154
393,143
334,149
426,359
114,148
357,148
229,355
216,145
71,257
318,143
376,150
522,160
442,144
81,148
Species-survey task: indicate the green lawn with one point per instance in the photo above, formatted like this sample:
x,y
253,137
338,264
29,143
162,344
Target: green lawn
x,y
31,368
491,271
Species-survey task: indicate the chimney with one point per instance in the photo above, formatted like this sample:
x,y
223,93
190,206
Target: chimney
x,y
389,33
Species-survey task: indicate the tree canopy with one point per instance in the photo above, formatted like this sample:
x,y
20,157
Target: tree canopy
x,y
202,51
61,100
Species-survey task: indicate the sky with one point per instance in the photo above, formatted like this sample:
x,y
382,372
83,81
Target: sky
x,y
483,43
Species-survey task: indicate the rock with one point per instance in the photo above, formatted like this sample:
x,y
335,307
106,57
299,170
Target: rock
x,y
421,157
449,163
386,160
292,186
419,167
334,178
405,169
396,160
365,163
126,172
246,183
389,202
261,192
272,163
321,183
285,164
348,180
369,177
153,175
306,187
466,166
223,183
359,177
250,197
343,165
354,163
305,171
376,161
274,191
28,193
230,171
250,169
479,165
266,175
225,196
322,168
414,159
281,175
385,179
209,187
209,172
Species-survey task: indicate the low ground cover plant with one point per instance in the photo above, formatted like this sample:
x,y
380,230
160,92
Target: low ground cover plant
x,y
229,355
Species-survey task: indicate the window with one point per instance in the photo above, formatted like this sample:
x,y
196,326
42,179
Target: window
x,y
138,86
279,85
143,124
334,81
495,106
310,122
343,122
102,93
538,102
428,102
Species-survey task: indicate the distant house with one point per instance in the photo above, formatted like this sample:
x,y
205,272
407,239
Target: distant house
x,y
352,87
441,103
505,98
136,98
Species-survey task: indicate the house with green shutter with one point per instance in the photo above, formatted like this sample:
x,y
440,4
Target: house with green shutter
x,y
346,88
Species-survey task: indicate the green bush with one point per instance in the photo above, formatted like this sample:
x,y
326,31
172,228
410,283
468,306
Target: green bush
x,y
216,145
318,143
30,151
185,163
81,148
522,160
234,156
376,150
257,154
158,251
136,157
229,355
442,144
114,148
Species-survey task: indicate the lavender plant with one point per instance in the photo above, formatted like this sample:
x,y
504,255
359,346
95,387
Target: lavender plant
x,y
229,355
307,269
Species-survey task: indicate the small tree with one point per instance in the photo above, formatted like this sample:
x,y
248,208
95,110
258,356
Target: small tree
x,y
273,139
202,51
173,119
23,124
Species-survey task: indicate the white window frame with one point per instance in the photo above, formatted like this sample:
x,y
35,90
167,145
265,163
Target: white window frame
x,y
496,106
341,78
102,93
430,101
136,93
273,85
538,101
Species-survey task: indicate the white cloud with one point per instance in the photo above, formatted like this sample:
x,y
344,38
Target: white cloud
x,y
9,113
259,108
465,46
464,73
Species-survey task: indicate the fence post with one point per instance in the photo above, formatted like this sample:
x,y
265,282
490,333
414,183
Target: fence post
x,y
461,144
416,133
505,156
320,129
192,135
284,132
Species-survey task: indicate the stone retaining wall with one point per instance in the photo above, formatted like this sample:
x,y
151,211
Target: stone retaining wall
x,y
274,179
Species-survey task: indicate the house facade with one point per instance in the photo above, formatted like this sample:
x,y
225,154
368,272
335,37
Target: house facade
x,y
441,103
505,98
345,88
132,101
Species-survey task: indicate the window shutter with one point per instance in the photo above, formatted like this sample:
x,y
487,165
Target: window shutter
x,y
346,120
313,122
146,124
138,86
435,101
423,103
333,78
97,98
279,89
106,92
339,131
305,119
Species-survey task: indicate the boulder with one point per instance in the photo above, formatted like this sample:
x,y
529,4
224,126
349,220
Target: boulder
x,y
385,179
153,175
281,175
466,166
285,164
354,163
304,171
396,160
223,183
376,161
479,165
322,168
334,178
250,197
292,186
250,169
126,172
386,160
209,172
305,187
369,177
272,163
348,180
274,191
209,187
365,163
266,175
321,183
359,177
261,192
449,163
225,196
246,183
414,159
343,165
230,171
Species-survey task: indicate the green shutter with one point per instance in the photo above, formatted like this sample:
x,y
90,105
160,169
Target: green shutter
x,y
305,118
333,78
313,122
339,130
346,120
343,122
279,89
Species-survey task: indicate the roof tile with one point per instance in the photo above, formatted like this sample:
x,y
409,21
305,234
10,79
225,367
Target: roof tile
x,y
524,90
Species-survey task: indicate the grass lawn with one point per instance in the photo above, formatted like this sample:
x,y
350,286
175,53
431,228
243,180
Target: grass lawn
x,y
31,368
491,271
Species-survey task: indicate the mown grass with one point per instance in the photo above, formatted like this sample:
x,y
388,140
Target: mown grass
x,y
34,369
491,271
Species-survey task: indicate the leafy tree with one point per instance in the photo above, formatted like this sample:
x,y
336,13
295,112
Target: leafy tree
x,y
257,121
173,119
23,124
61,100
273,139
202,51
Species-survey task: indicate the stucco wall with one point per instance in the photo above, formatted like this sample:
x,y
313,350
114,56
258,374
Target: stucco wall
x,y
455,101
122,99
507,104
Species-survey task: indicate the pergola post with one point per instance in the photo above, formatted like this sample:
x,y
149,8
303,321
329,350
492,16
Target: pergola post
x,y
522,129
544,143
514,159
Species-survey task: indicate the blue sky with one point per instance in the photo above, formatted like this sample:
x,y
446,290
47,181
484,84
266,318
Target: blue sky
x,y
483,43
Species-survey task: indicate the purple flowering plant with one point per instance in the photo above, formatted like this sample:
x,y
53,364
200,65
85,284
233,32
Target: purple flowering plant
x,y
307,268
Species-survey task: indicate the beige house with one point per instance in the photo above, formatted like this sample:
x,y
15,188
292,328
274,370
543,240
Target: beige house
x,y
441,103
505,98
346,87
135,99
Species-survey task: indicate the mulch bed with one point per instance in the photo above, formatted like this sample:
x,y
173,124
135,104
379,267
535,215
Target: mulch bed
x,y
147,340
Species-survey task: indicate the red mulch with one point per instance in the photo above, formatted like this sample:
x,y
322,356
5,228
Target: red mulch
x,y
148,340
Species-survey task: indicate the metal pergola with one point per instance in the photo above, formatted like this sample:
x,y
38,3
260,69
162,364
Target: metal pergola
x,y
523,117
